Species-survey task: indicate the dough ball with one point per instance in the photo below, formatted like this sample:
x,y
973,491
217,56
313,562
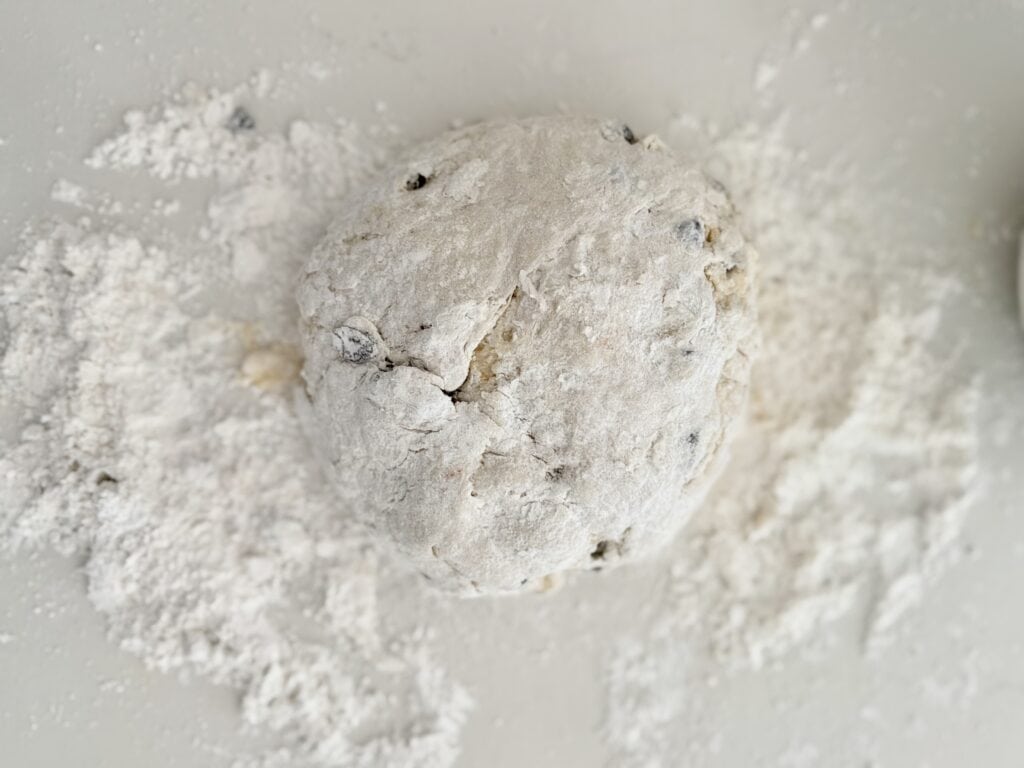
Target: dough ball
x,y
525,345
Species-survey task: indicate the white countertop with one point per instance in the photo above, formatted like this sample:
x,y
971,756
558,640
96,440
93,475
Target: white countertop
x,y
929,92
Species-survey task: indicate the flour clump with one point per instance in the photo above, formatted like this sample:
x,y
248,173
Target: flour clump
x,y
526,344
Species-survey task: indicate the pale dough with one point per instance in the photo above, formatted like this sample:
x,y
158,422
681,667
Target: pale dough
x,y
525,345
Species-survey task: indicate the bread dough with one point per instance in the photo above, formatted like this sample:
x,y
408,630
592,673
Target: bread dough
x,y
525,345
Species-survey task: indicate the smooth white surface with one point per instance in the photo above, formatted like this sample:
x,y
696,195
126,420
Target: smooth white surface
x,y
924,96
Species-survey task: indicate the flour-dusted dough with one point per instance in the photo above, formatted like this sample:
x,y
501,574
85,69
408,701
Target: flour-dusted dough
x,y
525,344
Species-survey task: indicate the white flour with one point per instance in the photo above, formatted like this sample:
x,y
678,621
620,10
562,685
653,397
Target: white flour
x,y
859,456
148,356
147,377
848,486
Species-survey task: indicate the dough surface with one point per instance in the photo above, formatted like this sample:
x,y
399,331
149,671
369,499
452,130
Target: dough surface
x,y
525,345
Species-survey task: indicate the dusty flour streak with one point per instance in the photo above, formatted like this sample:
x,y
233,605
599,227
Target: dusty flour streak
x,y
145,405
848,485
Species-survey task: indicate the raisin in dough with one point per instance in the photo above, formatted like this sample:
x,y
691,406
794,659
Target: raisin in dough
x,y
525,345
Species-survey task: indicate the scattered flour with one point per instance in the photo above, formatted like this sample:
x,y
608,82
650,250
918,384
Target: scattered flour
x,y
858,460
848,485
145,410
647,694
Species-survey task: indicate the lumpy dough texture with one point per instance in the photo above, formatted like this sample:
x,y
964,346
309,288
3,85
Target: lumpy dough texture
x,y
525,345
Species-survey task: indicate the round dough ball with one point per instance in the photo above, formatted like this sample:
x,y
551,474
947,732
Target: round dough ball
x,y
525,345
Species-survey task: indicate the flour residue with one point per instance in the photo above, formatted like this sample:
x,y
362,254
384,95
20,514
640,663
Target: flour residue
x,y
847,488
147,383
150,353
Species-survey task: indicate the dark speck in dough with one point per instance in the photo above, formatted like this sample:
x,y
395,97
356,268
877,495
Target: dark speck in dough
x,y
241,120
691,232
416,181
